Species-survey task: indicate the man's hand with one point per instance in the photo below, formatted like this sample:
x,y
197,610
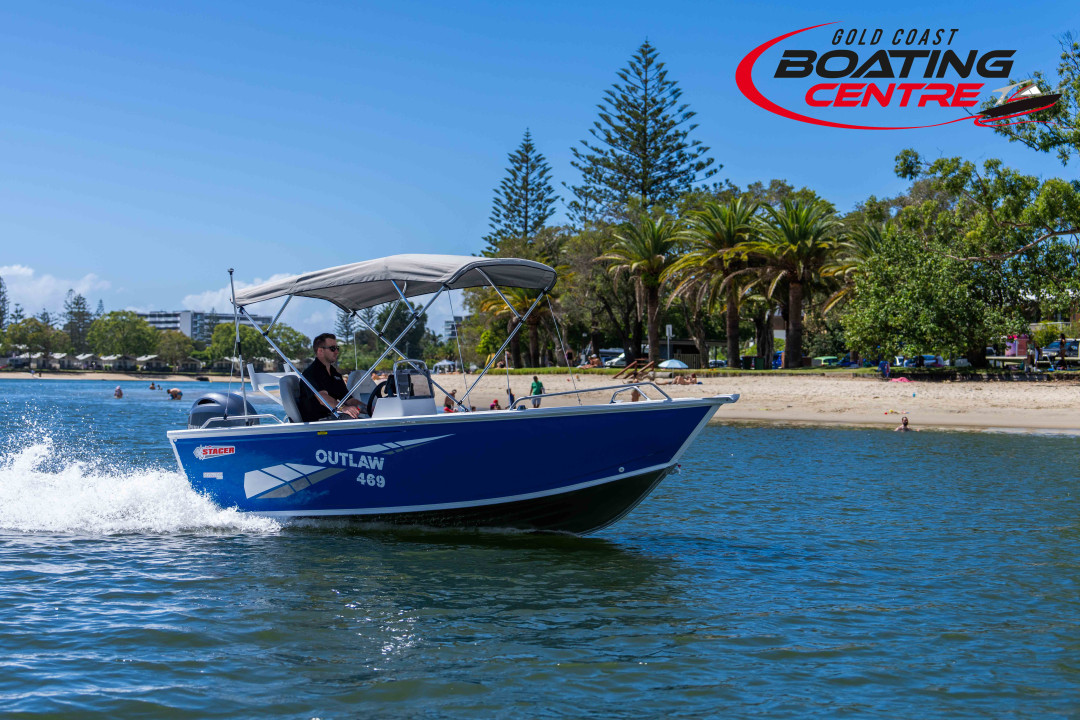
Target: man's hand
x,y
351,410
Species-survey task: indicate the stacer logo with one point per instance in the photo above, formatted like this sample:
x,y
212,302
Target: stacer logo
x,y
205,452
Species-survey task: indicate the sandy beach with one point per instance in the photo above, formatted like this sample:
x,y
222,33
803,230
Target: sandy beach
x,y
813,399
830,399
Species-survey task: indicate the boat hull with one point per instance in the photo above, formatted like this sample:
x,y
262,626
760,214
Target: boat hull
x,y
554,469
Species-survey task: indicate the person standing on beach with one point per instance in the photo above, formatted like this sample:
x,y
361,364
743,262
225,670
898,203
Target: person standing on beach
x,y
537,388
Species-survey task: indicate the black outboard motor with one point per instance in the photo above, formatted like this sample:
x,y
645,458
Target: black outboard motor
x,y
218,405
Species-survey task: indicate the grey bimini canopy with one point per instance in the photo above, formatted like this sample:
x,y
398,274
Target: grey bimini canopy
x,y
370,283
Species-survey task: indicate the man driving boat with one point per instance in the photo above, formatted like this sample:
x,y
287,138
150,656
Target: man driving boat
x,y
325,377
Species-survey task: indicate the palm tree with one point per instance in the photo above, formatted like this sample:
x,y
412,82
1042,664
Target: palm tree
x,y
797,242
522,299
865,240
706,271
643,251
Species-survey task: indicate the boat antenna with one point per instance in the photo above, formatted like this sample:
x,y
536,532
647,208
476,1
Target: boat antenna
x,y
238,348
562,345
355,347
457,338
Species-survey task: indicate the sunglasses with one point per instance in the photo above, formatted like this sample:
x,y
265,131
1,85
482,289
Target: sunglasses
x,y
331,348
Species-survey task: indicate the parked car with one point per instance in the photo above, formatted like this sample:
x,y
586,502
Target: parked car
x,y
1071,348
928,361
616,362
717,363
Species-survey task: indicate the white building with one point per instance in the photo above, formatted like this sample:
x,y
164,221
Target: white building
x,y
196,325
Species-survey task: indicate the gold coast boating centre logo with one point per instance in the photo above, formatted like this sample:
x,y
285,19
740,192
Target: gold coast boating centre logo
x,y
859,72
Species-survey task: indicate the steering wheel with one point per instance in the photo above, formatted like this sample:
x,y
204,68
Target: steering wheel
x,y
379,391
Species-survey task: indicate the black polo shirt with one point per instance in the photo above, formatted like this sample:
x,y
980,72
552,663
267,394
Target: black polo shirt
x,y
311,408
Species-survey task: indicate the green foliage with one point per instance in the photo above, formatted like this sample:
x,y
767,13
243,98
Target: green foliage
x,y
798,243
77,320
1060,130
346,326
643,250
122,333
488,344
3,305
292,342
705,273
1020,230
524,200
223,343
824,335
34,336
174,347
412,344
640,146
1046,335
912,301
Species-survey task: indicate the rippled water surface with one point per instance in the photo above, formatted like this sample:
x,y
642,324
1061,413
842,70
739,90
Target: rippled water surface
x,y
786,573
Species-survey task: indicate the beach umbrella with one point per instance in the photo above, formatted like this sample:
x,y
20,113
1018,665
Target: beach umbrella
x,y
673,365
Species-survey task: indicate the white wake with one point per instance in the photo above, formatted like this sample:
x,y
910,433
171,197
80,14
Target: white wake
x,y
39,493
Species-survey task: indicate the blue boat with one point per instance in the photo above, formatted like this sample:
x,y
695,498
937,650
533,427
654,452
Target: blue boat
x,y
572,468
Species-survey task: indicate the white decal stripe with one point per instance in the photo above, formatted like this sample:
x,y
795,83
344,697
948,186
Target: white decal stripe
x,y
305,469
369,449
398,445
282,472
459,505
257,482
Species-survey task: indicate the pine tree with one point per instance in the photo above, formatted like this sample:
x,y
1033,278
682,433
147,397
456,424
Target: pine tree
x,y
77,320
3,305
100,312
17,315
640,145
524,200
45,317
345,327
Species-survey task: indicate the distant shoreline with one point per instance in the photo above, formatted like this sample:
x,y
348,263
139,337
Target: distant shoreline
x,y
111,376
812,399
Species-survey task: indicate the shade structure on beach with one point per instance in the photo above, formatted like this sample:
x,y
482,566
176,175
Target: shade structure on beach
x,y
673,365
369,283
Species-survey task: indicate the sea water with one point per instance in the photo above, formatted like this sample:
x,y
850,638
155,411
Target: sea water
x,y
785,573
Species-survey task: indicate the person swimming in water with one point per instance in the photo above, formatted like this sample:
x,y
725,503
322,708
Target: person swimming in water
x,y
118,393
903,427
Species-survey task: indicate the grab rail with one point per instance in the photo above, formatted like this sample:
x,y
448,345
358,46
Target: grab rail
x,y
618,389
241,417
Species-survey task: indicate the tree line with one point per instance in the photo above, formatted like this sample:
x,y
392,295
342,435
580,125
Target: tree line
x,y
968,254
122,332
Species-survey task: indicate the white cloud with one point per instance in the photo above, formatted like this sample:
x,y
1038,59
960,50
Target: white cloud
x,y
221,299
33,291
307,315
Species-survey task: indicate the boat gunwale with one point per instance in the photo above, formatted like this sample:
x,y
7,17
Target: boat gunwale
x,y
328,426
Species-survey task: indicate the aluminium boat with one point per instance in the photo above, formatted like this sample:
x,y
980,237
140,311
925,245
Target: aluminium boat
x,y
572,468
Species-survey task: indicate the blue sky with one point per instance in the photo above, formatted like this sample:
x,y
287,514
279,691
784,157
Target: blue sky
x,y
147,147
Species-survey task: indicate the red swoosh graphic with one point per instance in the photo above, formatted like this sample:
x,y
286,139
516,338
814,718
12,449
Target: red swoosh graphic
x,y
744,79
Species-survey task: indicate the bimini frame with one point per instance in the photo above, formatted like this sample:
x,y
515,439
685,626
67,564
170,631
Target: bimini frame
x,y
240,312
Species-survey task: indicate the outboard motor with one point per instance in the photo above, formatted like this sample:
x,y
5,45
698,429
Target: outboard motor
x,y
218,405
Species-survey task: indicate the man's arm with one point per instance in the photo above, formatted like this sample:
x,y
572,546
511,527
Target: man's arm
x,y
350,408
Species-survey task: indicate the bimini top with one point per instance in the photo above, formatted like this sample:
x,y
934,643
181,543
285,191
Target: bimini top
x,y
368,283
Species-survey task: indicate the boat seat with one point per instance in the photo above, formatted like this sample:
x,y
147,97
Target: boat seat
x,y
366,388
289,390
